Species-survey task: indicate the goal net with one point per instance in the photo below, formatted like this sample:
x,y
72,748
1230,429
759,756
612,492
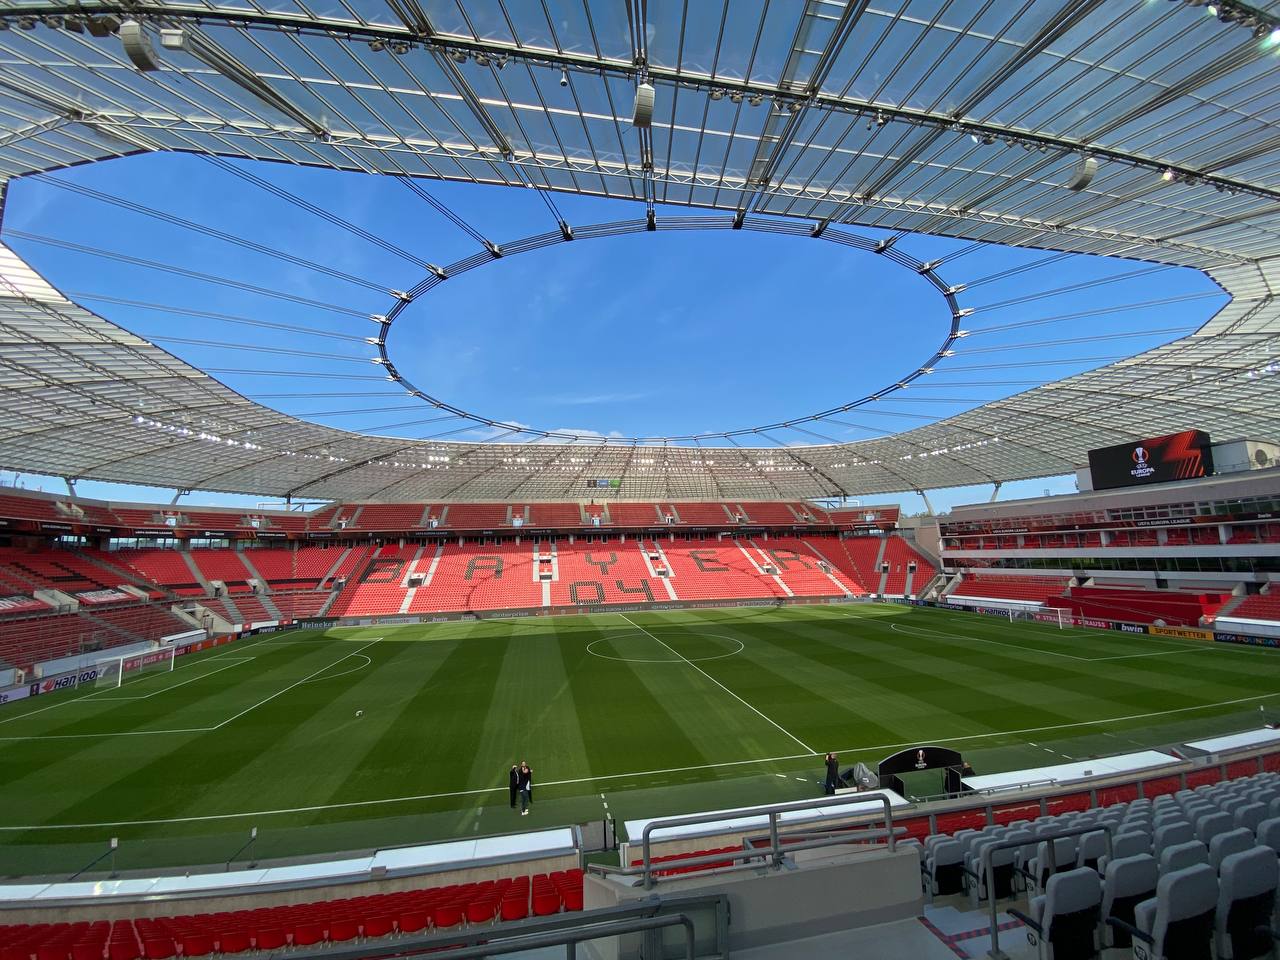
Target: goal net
x,y
113,670
1051,615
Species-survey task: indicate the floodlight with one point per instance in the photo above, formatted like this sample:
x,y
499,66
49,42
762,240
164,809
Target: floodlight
x,y
102,26
377,46
716,94
1167,175
564,77
137,46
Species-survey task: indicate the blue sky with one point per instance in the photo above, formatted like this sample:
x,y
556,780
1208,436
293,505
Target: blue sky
x,y
651,334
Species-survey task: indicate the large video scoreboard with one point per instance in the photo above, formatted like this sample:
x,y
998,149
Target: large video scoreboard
x,y
1175,456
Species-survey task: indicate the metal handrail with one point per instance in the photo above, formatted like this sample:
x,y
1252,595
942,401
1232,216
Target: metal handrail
x,y
987,852
571,938
775,849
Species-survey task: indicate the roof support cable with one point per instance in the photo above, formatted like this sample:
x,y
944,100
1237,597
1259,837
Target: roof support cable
x,y
316,210
183,272
447,213
1072,288
1100,312
80,296
207,231
544,192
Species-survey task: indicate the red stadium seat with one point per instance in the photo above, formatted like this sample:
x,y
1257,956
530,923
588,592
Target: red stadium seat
x,y
446,915
305,934
196,945
379,926
412,921
341,931
159,948
233,941
269,938
515,907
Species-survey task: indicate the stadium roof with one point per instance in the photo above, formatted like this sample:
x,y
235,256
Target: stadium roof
x,y
966,119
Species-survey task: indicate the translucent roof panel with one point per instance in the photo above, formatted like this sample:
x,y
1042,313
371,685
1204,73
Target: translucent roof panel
x,y
1140,130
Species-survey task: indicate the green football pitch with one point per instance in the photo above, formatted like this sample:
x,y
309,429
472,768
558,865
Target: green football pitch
x,y
626,716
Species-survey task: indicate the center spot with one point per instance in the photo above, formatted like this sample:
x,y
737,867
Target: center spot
x,y
664,646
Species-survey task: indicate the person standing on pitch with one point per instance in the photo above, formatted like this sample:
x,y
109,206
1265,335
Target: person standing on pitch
x,y
833,775
513,782
525,784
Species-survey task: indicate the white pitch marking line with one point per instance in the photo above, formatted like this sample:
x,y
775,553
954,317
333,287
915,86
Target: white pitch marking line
x,y
148,733
718,684
93,693
175,686
334,676
867,748
284,690
1049,653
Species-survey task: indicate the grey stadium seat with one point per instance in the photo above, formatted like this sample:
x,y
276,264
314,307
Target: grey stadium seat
x,y
1128,882
1125,845
1225,844
1093,847
943,868
1064,858
1208,827
1001,879
1183,855
1250,815
1171,834
1064,921
1268,833
1246,898
1177,923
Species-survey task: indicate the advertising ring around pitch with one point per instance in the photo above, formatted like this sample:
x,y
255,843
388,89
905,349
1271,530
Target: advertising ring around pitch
x,y
661,635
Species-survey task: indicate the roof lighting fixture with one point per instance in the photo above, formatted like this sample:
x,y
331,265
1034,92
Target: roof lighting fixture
x,y
459,56
377,46
736,96
1211,9
1167,175
1274,38
757,100
716,94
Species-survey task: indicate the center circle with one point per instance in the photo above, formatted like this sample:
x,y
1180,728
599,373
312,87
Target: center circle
x,y
505,346
675,658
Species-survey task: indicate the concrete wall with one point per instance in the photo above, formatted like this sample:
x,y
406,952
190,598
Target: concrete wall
x,y
820,891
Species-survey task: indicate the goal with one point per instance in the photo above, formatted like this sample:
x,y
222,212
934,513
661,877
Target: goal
x,y
112,671
1051,615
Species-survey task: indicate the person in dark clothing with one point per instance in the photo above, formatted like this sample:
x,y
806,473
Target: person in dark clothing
x,y
525,783
833,775
514,783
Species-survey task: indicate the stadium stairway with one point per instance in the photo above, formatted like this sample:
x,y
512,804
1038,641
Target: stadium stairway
x,y
196,574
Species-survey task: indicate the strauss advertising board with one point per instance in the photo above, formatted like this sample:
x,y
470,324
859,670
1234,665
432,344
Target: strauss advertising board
x,y
1175,456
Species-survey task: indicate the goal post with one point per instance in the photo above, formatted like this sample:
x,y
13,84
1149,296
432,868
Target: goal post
x,y
113,670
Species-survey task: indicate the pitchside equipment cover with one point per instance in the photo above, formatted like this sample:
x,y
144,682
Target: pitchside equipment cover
x,y
1175,456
